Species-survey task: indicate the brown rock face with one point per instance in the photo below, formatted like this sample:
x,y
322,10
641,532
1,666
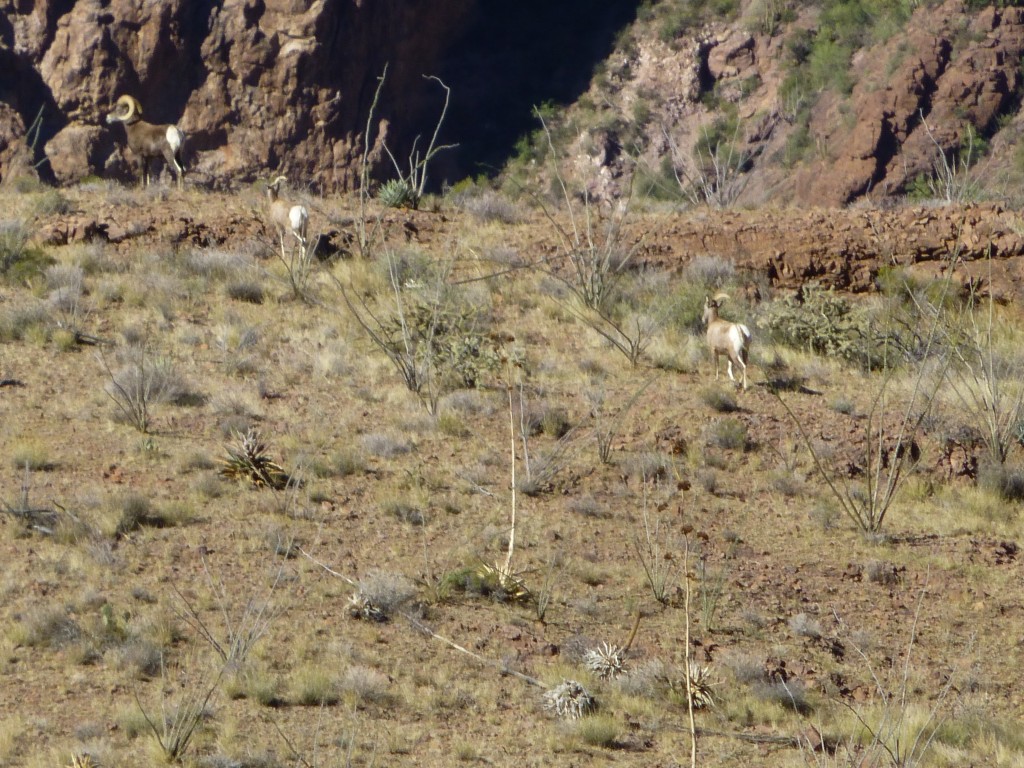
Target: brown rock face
x,y
934,101
261,87
258,86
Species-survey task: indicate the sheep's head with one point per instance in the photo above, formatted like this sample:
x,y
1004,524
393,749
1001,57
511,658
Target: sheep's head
x,y
274,187
127,110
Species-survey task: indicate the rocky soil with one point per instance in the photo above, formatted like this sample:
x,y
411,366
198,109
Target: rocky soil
x,y
782,248
791,599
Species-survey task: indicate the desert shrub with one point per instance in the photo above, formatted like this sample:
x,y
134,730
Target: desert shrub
x,y
21,323
825,323
719,399
385,446
50,202
241,289
143,381
388,592
729,434
31,455
710,272
1006,481
598,730
19,261
404,510
313,687
587,506
140,658
365,685
490,206
136,512
46,628
803,625
677,18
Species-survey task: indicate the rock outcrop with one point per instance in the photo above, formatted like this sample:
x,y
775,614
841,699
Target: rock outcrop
x,y
286,86
257,85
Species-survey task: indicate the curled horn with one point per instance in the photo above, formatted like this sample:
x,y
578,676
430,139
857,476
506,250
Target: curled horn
x,y
278,180
131,105
720,297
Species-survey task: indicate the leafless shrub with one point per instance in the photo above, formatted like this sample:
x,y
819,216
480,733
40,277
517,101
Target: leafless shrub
x,y
365,684
490,206
715,172
143,381
803,625
241,626
711,272
953,178
651,543
385,445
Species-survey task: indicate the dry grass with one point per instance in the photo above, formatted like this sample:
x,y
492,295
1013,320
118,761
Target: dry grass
x,y
401,505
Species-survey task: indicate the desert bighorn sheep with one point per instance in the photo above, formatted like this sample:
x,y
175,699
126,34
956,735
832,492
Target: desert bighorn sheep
x,y
286,218
148,141
725,338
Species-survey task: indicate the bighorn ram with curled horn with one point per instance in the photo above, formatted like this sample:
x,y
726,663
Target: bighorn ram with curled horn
x,y
725,338
148,141
286,217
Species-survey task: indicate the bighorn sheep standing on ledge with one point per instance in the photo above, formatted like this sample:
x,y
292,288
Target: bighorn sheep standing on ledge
x,y
725,338
285,216
148,141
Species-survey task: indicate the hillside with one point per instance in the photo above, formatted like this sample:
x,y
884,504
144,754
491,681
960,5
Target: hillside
x,y
354,593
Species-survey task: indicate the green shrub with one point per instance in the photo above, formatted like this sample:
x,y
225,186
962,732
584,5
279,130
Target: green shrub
x,y
825,323
21,263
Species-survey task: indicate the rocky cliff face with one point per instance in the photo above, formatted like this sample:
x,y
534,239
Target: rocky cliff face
x,y
263,86
950,75
285,86
257,85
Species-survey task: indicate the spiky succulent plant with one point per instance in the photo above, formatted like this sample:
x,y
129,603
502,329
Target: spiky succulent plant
x,y
700,685
569,699
361,607
503,582
250,460
398,193
605,661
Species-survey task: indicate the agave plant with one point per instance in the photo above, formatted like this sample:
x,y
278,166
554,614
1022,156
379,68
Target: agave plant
x,y
398,193
569,699
605,661
503,582
700,685
362,607
250,460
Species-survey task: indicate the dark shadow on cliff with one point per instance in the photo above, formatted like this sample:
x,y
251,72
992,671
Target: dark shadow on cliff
x,y
517,55
23,88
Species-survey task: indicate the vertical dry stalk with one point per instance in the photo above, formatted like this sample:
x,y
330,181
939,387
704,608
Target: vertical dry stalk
x,y
689,677
512,441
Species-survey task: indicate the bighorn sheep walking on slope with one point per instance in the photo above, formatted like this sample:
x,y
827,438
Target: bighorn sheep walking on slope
x,y
287,218
148,141
725,338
